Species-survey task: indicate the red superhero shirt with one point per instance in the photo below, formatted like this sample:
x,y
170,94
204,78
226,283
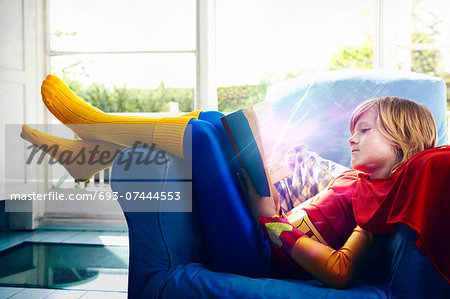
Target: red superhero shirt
x,y
327,218
329,214
416,194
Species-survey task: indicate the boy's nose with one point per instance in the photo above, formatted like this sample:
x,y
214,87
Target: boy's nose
x,y
352,140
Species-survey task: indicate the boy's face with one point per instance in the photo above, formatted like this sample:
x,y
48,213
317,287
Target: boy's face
x,y
371,151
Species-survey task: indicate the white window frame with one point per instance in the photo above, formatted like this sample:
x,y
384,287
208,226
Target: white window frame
x,y
392,29
205,94
205,91
392,39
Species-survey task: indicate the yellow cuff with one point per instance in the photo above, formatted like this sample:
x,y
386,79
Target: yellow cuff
x,y
169,132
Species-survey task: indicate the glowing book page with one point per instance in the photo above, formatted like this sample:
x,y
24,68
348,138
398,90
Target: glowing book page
x,y
263,125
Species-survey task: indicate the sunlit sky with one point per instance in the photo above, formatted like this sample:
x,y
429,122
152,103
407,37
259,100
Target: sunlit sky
x,y
254,38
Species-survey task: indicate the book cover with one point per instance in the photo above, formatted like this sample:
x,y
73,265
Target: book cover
x,y
252,133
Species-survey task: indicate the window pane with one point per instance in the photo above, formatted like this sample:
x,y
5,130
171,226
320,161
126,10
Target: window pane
x,y
435,63
104,25
431,21
130,82
264,41
431,25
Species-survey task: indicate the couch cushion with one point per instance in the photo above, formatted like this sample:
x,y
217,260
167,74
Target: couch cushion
x,y
195,281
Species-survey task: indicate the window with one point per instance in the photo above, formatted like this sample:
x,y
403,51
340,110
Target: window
x,y
414,35
123,56
153,49
126,55
430,39
260,42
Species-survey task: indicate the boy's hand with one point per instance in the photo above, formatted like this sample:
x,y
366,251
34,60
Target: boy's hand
x,y
259,205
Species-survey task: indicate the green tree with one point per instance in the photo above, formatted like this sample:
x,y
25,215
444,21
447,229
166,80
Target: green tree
x,y
123,99
359,57
237,97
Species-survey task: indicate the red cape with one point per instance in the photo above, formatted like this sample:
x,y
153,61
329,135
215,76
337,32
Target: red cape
x,y
416,194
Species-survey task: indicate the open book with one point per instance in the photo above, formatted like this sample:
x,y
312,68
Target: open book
x,y
253,135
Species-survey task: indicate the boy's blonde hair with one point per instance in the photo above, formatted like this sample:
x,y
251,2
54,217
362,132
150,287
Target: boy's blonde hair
x,y
409,126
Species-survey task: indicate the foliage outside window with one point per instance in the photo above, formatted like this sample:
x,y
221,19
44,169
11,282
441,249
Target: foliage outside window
x,y
123,99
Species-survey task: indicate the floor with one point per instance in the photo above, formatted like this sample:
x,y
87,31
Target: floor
x,y
112,238
19,293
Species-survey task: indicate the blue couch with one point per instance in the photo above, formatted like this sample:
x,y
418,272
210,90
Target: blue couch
x,y
206,245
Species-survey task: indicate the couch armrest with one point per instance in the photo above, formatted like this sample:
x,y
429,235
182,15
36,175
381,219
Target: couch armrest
x,y
411,274
159,241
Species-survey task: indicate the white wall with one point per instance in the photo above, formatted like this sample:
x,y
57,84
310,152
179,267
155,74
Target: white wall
x,y
21,71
